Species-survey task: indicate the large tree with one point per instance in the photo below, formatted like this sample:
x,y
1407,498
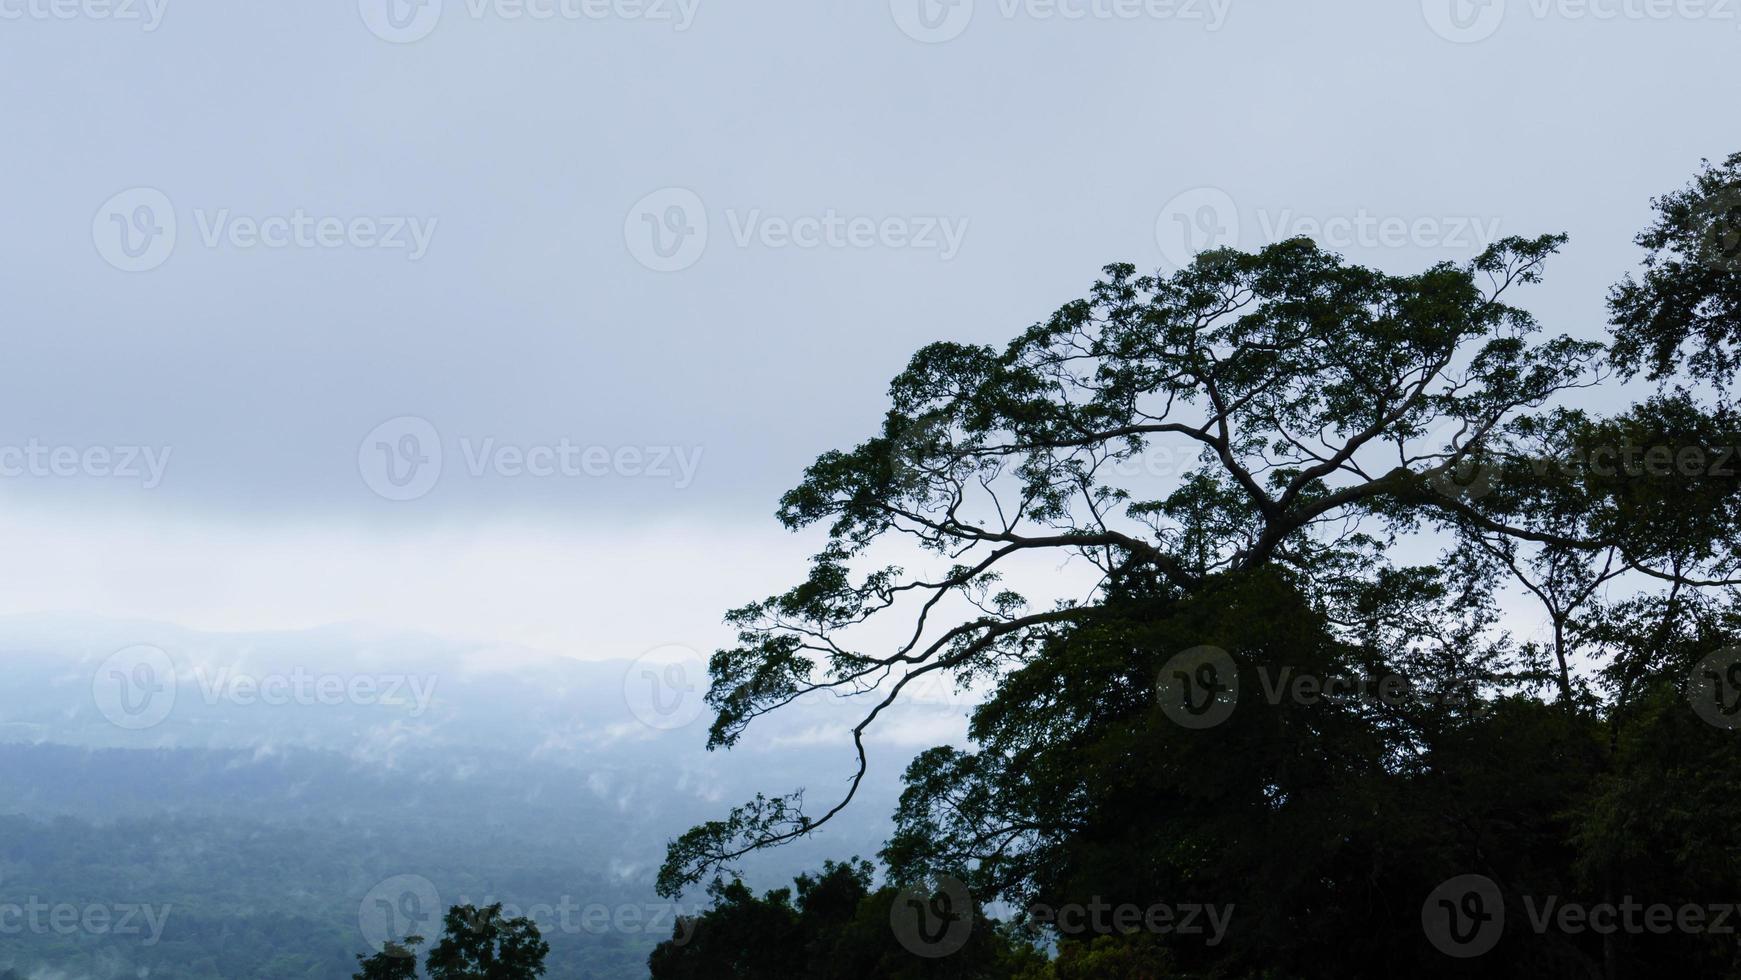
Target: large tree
x,y
1384,461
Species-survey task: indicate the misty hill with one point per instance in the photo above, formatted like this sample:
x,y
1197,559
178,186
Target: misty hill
x,y
221,777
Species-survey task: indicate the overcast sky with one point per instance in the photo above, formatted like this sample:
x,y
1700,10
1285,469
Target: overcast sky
x,y
453,317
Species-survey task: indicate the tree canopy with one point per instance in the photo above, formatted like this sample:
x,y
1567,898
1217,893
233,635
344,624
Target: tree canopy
x,y
1402,491
836,924
476,944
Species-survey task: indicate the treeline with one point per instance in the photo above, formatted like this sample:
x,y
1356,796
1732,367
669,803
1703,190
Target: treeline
x,y
208,898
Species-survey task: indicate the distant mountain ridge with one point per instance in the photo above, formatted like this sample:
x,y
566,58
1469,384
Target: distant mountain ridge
x,y
493,772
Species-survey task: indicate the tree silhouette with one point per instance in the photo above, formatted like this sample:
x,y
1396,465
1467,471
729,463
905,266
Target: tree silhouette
x,y
476,944
482,944
1685,310
831,924
395,961
1389,467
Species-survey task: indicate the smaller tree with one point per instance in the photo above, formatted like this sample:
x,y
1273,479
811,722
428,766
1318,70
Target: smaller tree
x,y
476,944
395,961
483,944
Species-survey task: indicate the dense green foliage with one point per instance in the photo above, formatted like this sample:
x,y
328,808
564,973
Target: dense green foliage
x,y
483,944
476,944
1685,309
1521,611
831,924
